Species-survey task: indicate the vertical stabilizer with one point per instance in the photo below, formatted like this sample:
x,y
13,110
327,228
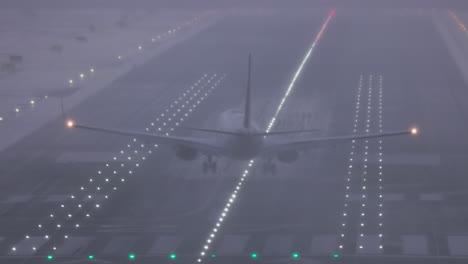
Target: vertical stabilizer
x,y
247,96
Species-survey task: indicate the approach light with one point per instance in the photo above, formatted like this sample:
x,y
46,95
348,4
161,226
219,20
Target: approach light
x,y
70,123
414,131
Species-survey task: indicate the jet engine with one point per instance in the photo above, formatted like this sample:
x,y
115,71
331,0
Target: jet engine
x,y
186,153
288,156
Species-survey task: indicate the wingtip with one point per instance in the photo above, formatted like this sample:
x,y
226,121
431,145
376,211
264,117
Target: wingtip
x,y
70,123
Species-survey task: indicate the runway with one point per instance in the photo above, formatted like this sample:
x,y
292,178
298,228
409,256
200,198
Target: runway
x,y
81,197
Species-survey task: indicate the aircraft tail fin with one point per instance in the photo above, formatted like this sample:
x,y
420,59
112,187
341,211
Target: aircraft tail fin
x,y
247,96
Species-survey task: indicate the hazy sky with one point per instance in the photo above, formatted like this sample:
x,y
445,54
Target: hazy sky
x,y
231,3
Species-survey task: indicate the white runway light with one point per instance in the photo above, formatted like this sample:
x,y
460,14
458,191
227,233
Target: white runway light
x,y
349,175
120,57
372,150
100,185
246,172
380,167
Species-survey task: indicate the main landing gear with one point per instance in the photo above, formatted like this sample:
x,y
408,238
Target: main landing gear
x,y
209,165
269,167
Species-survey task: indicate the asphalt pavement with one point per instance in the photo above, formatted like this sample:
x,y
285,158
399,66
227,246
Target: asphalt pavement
x,y
69,195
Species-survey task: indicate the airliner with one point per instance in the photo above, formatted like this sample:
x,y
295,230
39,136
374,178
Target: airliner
x,y
242,140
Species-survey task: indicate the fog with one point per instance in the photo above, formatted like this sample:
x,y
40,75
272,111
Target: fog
x,y
185,4
134,131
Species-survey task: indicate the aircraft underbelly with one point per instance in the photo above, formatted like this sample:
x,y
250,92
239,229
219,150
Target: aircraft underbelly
x,y
245,147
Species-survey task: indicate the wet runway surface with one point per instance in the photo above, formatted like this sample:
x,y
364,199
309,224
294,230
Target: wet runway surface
x,y
74,194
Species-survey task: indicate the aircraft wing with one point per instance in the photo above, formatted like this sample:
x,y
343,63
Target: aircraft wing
x,y
206,146
273,146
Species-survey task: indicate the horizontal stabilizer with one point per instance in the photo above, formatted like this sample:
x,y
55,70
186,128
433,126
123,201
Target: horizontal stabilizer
x,y
287,132
212,131
221,132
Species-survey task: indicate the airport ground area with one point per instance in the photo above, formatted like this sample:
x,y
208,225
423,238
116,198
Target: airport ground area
x,y
70,196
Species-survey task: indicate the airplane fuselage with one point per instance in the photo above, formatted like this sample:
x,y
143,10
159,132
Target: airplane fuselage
x,y
244,146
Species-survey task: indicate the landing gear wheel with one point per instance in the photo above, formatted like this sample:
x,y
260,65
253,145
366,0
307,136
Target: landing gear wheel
x,y
273,169
213,166
269,168
209,166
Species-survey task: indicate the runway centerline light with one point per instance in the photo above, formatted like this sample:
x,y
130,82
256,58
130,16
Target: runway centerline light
x,y
173,256
91,257
254,255
50,257
295,255
336,256
131,256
